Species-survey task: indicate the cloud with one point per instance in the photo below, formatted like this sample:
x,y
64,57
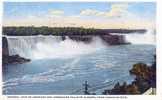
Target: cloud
x,y
116,10
117,16
56,12
89,12
77,21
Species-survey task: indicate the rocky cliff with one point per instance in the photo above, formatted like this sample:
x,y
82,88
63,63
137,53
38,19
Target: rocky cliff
x,y
10,59
109,39
5,50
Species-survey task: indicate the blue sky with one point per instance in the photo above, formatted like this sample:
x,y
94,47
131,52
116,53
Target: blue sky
x,y
89,10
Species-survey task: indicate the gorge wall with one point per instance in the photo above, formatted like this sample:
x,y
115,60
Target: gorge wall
x,y
5,50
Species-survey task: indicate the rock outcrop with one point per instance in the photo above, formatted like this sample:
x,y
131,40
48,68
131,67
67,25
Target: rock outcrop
x,y
14,59
145,78
83,38
109,39
5,51
114,39
10,59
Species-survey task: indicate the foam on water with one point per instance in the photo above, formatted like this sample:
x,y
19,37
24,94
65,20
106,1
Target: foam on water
x,y
98,59
99,67
52,75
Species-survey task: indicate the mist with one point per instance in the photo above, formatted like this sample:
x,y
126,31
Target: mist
x,y
42,47
149,37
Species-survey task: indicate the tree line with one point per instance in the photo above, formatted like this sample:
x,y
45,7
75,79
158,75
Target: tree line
x,y
45,30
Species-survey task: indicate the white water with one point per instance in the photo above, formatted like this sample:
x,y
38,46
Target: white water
x,y
64,76
41,47
146,38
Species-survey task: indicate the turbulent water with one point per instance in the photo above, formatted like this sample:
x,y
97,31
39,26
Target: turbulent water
x,y
146,38
61,67
41,47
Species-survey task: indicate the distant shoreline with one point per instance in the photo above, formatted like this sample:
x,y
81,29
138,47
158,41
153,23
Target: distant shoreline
x,y
62,31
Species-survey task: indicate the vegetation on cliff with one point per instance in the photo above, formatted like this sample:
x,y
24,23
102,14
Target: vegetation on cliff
x,y
145,78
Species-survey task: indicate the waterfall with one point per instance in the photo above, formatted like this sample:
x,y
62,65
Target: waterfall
x,y
40,47
24,45
138,38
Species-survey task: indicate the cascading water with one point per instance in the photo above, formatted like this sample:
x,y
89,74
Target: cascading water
x,y
138,38
47,74
41,47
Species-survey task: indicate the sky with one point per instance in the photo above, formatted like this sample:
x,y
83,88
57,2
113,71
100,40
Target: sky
x,y
80,14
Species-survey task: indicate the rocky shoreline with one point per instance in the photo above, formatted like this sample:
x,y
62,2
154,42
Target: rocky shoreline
x,y
14,59
145,78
